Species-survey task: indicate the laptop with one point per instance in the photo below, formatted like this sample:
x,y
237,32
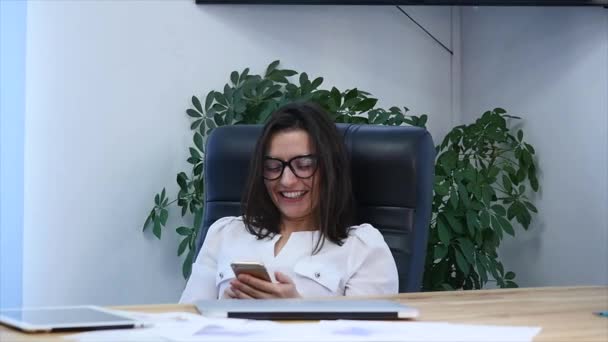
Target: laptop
x,y
303,309
65,318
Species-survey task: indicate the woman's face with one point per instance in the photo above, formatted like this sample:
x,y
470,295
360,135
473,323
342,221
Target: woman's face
x,y
295,197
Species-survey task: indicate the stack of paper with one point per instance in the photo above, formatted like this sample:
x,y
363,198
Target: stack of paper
x,y
188,327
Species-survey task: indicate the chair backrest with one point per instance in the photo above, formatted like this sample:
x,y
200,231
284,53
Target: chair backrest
x,y
392,174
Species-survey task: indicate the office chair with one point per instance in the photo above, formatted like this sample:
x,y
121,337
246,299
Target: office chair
x,y
392,174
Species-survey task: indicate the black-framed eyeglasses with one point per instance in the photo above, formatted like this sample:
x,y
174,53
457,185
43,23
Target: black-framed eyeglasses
x,y
301,166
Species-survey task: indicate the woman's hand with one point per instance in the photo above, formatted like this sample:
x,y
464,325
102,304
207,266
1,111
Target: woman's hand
x,y
229,294
249,287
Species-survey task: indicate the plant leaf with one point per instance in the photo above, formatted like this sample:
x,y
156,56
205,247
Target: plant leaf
x,y
441,189
164,215
484,219
530,206
271,67
499,210
336,97
506,225
317,82
187,266
184,231
182,181
194,153
462,263
443,232
157,228
529,148
304,79
198,169
423,119
183,245
365,105
467,248
265,114
481,269
220,98
506,182
471,221
533,181
197,104
234,78
381,118
148,219
288,73
195,124
454,199
440,251
453,222
464,195
209,100
194,114
243,75
277,77
351,94
493,172
448,160
198,141
487,194
210,124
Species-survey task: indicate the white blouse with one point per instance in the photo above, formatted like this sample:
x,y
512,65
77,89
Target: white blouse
x,y
363,265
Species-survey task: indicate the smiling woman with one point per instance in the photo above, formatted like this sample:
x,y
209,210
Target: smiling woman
x,y
280,200
298,214
295,191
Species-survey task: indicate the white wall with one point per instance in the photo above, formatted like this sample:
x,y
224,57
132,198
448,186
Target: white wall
x,y
107,86
550,66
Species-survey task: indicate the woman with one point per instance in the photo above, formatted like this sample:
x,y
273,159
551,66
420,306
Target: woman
x,y
297,220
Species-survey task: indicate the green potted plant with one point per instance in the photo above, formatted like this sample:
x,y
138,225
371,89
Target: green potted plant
x,y
482,175
477,191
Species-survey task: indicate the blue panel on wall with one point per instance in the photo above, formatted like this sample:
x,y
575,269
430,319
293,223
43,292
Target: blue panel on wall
x,y
12,113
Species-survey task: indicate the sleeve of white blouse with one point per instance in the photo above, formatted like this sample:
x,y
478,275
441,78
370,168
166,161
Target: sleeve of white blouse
x,y
201,284
371,265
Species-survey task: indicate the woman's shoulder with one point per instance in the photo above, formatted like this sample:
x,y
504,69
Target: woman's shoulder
x,y
367,235
226,225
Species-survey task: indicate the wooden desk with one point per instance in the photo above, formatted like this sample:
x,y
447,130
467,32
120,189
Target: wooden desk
x,y
564,313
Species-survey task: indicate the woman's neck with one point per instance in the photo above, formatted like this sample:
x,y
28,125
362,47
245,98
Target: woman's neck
x,y
289,226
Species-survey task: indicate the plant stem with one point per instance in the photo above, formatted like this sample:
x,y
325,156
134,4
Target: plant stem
x,y
177,199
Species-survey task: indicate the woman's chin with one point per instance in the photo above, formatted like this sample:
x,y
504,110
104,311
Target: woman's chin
x,y
295,215
294,209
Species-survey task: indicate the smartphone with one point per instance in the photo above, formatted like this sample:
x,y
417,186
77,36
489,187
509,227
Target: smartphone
x,y
255,269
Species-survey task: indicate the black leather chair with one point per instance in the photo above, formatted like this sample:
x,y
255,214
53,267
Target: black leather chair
x,y
392,173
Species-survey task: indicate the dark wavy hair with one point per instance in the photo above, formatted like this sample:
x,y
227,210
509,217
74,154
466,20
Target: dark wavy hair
x,y
334,212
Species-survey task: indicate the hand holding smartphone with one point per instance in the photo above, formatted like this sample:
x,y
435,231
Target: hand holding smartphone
x,y
254,269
